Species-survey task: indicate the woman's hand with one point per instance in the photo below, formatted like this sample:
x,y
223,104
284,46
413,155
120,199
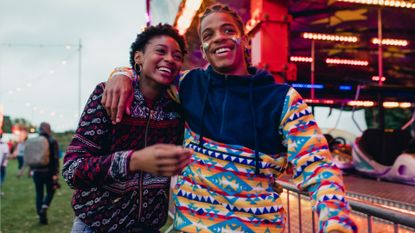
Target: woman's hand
x,y
160,159
118,96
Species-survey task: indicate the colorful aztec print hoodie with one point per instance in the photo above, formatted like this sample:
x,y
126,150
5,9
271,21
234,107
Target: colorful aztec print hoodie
x,y
244,131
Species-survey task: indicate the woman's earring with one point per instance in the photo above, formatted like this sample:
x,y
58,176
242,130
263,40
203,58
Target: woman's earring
x,y
137,68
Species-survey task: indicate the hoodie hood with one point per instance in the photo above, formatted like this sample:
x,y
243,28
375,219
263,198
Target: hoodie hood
x,y
234,110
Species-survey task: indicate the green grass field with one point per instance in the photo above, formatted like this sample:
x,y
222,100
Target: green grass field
x,y
17,206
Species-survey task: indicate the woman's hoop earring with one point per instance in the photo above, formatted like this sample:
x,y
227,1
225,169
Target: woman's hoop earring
x,y
137,66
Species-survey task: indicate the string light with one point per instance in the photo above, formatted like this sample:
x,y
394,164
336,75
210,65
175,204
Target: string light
x,y
388,3
49,73
337,61
41,76
394,42
329,37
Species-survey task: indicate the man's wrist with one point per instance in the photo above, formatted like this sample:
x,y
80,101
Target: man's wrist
x,y
121,72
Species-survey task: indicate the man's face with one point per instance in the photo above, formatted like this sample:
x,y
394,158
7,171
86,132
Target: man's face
x,y
222,44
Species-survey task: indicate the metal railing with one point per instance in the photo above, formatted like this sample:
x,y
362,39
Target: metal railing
x,y
395,216
370,210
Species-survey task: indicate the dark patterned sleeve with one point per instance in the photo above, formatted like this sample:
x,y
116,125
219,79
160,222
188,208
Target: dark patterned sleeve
x,y
88,162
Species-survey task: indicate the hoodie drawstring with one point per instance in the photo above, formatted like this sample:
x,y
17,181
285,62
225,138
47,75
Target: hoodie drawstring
x,y
205,98
251,103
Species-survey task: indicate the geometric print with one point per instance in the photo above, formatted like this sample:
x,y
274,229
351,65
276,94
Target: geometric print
x,y
220,192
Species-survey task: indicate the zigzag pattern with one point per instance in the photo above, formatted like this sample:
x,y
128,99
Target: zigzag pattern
x,y
298,115
301,168
228,157
329,197
254,210
192,196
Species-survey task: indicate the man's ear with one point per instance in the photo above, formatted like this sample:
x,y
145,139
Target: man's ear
x,y
203,52
139,57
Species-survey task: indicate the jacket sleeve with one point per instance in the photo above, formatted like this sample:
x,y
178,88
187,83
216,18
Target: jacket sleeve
x,y
313,169
88,162
172,91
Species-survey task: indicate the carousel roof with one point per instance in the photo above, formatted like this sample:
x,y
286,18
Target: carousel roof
x,y
340,18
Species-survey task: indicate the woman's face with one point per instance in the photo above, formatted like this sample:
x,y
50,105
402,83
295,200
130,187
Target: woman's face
x,y
161,60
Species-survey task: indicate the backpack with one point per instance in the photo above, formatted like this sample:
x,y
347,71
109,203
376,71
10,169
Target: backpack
x,y
36,153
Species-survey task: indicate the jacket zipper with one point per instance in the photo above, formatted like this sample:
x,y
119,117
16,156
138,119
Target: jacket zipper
x,y
141,172
225,99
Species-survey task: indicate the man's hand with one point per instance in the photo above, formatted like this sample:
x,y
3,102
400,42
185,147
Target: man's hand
x,y
117,98
161,159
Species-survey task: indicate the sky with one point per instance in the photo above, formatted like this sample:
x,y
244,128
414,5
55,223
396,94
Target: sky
x,y
39,54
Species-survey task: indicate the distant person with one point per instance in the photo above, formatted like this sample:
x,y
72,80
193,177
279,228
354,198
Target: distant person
x,y
121,173
45,176
4,153
19,151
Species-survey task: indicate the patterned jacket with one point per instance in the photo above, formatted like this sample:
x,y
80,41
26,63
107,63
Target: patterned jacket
x,y
108,197
244,131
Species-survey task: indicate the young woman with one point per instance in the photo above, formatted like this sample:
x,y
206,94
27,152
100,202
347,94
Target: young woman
x,y
120,173
245,129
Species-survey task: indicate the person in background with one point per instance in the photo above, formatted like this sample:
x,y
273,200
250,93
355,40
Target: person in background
x,y
4,154
47,176
121,173
244,129
19,151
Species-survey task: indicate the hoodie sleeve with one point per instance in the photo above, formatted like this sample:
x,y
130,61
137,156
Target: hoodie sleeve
x,y
313,169
87,162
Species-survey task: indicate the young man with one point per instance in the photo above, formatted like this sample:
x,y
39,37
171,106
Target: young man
x,y
244,130
47,176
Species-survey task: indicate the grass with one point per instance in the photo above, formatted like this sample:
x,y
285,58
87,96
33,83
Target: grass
x,y
17,206
18,211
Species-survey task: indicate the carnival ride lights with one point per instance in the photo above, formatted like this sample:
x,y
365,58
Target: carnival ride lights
x,y
376,78
329,37
300,59
319,101
390,3
325,37
397,104
332,61
188,12
337,61
361,103
388,41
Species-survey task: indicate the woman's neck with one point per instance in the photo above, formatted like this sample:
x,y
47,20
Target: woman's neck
x,y
150,89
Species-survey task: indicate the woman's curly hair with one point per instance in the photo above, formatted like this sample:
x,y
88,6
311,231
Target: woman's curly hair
x,y
149,33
